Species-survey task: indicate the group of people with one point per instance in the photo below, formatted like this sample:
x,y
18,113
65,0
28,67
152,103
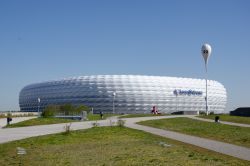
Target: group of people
x,y
155,111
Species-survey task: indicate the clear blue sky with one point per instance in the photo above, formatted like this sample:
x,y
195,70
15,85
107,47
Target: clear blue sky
x,y
47,40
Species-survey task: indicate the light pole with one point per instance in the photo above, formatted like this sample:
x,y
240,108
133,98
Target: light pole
x,y
38,105
176,104
206,52
114,94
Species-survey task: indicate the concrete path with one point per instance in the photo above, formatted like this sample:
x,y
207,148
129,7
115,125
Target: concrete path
x,y
221,147
222,122
12,134
3,121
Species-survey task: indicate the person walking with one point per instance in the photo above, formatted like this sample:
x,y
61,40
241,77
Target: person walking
x,y
101,114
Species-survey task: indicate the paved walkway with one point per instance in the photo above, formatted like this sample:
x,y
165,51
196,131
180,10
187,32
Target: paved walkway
x,y
222,122
3,121
221,147
12,134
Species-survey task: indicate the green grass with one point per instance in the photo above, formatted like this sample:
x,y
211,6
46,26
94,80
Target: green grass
x,y
45,121
40,121
229,118
98,117
142,115
226,133
109,146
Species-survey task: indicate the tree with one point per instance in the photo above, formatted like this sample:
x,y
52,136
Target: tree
x,y
67,109
81,108
50,111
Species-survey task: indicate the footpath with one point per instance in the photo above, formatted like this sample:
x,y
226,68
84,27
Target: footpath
x,y
3,121
11,134
217,146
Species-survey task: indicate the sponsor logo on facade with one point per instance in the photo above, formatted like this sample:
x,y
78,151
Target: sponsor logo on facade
x,y
187,92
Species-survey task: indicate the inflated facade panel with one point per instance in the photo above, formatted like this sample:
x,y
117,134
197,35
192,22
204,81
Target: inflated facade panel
x,y
133,94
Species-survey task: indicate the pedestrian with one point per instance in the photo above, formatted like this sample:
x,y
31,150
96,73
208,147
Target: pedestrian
x,y
217,119
101,114
9,119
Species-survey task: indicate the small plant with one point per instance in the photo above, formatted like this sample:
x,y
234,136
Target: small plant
x,y
95,124
202,113
211,113
21,152
67,128
30,114
164,144
49,111
112,122
121,123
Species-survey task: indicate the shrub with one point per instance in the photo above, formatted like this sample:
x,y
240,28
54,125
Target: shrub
x,y
66,109
9,115
202,113
121,123
67,128
95,124
50,111
211,113
82,108
111,122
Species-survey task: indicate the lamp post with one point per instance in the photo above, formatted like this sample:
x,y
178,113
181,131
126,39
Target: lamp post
x,y
114,94
38,105
176,104
206,52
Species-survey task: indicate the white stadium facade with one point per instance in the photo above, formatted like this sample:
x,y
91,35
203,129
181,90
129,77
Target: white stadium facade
x,y
130,94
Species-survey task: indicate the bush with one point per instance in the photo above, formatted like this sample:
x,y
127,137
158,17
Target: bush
x,y
95,124
69,109
50,111
67,128
82,108
121,123
9,115
202,113
66,109
211,113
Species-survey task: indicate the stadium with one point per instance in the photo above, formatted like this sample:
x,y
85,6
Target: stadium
x,y
132,94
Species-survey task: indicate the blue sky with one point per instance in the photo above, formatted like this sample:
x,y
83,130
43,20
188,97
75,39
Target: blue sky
x,y
47,40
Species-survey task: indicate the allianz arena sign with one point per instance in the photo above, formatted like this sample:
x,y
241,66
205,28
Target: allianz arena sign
x,y
187,92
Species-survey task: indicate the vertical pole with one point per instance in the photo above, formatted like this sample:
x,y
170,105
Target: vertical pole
x,y
113,103
38,106
206,92
114,94
38,111
176,103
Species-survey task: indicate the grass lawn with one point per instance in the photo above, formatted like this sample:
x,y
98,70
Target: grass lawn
x,y
109,146
98,117
142,115
40,121
226,133
45,121
229,118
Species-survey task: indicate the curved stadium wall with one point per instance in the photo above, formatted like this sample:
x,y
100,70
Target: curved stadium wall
x,y
133,94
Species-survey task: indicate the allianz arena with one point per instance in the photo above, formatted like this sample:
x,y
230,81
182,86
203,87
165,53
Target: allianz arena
x,y
127,93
